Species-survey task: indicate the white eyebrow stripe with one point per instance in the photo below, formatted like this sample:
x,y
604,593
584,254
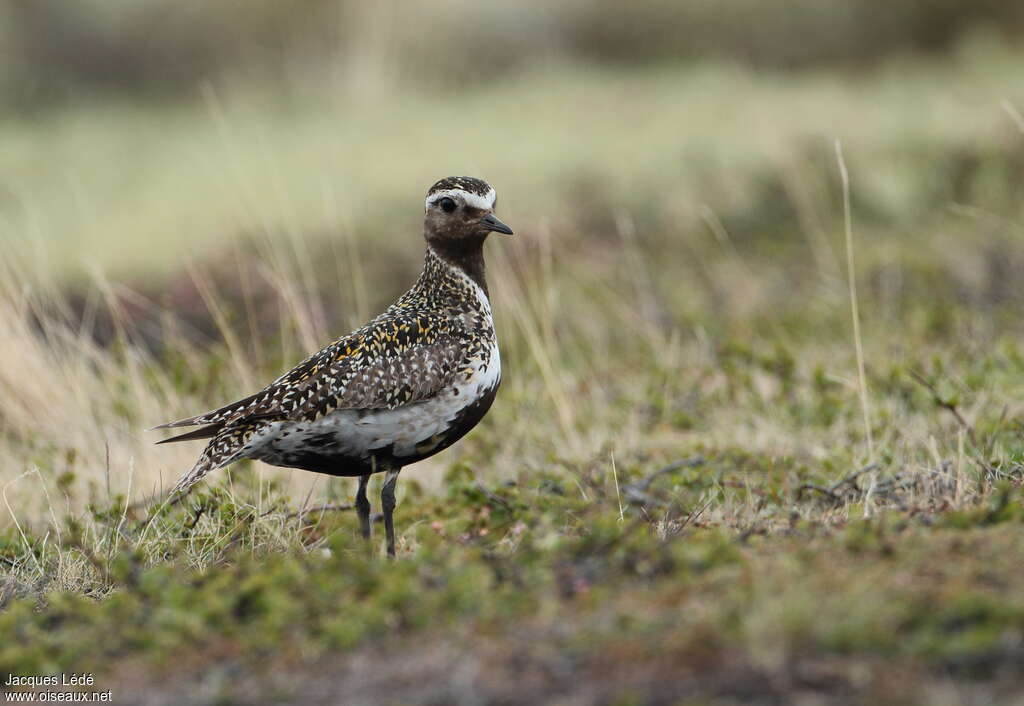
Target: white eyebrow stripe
x,y
470,199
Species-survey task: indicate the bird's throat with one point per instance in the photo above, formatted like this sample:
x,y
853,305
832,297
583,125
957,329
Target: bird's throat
x,y
466,255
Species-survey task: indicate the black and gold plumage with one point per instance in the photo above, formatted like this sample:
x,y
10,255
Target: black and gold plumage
x,y
405,386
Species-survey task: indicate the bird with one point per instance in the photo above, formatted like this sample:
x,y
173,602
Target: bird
x,y
403,387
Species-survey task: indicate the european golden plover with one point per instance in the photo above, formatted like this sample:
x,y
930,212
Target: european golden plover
x,y
403,387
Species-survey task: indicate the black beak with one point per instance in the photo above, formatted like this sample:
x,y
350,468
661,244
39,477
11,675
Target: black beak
x,y
490,222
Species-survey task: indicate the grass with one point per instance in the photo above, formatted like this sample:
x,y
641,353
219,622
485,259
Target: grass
x,y
699,483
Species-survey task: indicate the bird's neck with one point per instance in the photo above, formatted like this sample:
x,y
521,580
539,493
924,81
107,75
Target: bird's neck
x,y
467,257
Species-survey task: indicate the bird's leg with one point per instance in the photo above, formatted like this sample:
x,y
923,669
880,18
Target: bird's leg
x,y
387,502
363,506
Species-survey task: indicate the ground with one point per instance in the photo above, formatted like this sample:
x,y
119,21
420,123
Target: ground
x,y
719,470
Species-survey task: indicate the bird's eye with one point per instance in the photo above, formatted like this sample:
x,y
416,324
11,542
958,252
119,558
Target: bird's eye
x,y
447,204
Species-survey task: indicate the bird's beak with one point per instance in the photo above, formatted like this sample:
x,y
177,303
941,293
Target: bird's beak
x,y
490,222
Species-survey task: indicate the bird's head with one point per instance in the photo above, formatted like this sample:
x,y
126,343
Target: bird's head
x,y
460,212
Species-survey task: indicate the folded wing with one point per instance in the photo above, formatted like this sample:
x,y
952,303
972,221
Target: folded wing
x,y
393,361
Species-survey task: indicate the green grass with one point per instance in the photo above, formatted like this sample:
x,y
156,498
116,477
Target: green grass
x,y
676,292
539,562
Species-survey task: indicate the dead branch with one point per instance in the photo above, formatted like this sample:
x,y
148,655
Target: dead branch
x,y
832,492
947,405
492,497
831,495
636,493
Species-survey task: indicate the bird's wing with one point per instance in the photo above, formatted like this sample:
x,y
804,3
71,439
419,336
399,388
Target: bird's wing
x,y
393,361
394,379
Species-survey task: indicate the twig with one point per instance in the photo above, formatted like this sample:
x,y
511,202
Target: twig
x,y
645,483
694,516
305,502
195,520
818,489
496,499
636,493
947,405
749,532
851,478
832,492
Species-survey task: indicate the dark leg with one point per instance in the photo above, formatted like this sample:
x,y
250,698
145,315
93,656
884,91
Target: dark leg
x,y
387,502
363,506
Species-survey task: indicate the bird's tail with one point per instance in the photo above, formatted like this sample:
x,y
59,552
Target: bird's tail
x,y
203,466
229,445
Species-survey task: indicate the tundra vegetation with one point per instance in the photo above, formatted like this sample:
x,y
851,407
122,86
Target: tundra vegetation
x,y
759,438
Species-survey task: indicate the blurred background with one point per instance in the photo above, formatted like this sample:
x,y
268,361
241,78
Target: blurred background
x,y
194,194
137,131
